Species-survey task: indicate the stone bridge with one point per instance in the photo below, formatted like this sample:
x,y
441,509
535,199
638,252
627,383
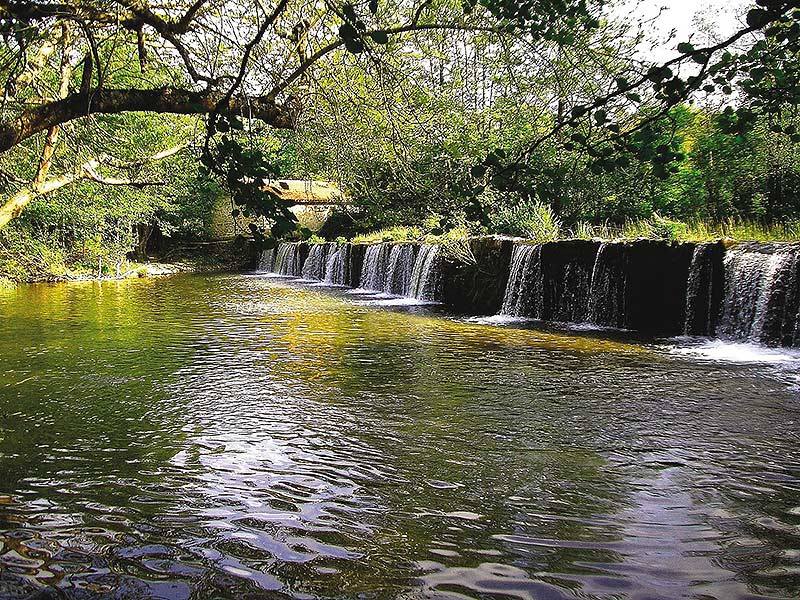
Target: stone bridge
x,y
312,203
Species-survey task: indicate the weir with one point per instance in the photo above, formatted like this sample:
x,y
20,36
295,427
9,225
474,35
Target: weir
x,y
266,260
337,265
316,264
400,269
373,271
747,292
288,260
704,289
761,294
405,269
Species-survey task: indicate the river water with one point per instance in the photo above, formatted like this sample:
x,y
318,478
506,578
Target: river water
x,y
248,437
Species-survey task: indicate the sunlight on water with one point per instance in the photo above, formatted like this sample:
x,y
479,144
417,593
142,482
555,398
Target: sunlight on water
x,y
240,436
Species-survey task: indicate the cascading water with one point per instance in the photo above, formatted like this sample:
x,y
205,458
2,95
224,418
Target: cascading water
x,y
567,298
750,292
524,281
426,278
373,271
338,263
287,259
550,282
607,290
400,270
761,294
266,260
317,261
703,288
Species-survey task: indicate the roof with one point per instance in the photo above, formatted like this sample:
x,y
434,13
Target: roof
x,y
308,192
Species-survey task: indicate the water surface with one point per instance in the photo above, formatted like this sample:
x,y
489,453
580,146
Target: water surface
x,y
245,437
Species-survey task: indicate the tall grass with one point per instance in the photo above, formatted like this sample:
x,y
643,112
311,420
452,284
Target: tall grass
x,y
659,228
535,221
400,233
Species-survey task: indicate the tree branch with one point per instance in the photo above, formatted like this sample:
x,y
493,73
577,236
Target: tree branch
x,y
114,101
14,206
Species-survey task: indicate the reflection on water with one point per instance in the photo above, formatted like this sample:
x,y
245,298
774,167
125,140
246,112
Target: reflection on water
x,y
245,437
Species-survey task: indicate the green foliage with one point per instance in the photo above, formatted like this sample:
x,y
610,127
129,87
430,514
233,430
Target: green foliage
x,y
391,234
86,225
245,167
527,118
532,220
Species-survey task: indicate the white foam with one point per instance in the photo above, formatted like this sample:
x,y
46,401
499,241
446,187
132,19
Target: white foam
x,y
381,300
498,320
720,350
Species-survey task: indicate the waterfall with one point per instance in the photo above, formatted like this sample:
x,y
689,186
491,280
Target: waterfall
x,y
266,260
336,269
702,290
568,295
426,278
287,259
748,292
607,291
317,261
761,294
373,271
550,282
524,281
400,270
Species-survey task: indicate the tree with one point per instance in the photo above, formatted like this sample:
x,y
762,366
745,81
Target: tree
x,y
241,63
231,60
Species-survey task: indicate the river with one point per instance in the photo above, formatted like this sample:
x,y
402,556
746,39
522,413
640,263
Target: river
x,y
235,436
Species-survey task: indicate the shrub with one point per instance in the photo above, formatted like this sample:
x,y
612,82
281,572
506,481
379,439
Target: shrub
x,y
535,221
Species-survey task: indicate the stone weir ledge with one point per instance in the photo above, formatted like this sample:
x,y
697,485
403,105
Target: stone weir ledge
x,y
741,291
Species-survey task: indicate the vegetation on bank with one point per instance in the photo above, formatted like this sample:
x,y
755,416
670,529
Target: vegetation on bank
x,y
541,225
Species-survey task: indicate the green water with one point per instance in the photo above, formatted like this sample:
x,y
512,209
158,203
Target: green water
x,y
243,437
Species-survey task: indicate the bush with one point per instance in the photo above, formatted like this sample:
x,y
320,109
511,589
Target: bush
x,y
535,221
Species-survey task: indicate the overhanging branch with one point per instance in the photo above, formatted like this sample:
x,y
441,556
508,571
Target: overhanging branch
x,y
114,101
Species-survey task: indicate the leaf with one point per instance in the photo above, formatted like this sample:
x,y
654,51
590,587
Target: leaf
x,y
354,45
578,111
600,116
347,32
379,37
685,48
373,6
658,74
578,138
478,171
349,13
758,17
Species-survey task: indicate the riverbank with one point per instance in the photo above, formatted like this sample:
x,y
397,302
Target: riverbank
x,y
545,226
230,255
